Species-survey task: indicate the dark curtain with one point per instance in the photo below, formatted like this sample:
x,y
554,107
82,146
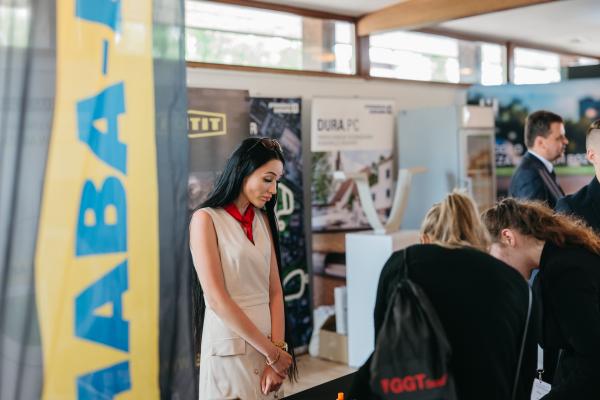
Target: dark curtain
x,y
178,378
27,83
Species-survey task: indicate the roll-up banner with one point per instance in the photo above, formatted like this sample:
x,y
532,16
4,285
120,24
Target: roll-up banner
x,y
280,118
93,195
351,135
217,123
97,255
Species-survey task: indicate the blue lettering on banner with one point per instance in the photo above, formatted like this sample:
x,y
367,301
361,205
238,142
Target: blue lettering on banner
x,y
100,237
108,104
104,383
106,12
111,331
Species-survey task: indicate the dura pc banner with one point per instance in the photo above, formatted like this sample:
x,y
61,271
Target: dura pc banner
x,y
354,136
281,119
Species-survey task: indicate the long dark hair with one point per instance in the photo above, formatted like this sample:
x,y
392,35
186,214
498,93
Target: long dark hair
x,y
244,160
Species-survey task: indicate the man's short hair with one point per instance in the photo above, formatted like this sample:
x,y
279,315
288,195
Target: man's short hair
x,y
538,124
593,133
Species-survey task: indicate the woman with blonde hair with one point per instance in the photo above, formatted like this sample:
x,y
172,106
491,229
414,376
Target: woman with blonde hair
x,y
528,235
481,302
454,222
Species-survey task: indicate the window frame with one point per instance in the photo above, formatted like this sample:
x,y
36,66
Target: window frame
x,y
361,48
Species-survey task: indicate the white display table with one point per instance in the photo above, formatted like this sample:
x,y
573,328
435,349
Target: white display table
x,y
366,253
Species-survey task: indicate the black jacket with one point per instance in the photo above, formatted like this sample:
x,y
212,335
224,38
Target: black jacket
x,y
532,181
482,304
569,282
584,204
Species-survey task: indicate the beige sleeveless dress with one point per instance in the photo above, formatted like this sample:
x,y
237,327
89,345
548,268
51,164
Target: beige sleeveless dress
x,y
230,368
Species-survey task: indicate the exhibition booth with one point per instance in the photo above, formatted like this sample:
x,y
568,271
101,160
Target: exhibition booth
x,y
111,138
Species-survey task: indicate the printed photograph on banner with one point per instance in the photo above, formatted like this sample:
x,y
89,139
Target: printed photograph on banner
x,y
217,123
577,102
280,118
335,203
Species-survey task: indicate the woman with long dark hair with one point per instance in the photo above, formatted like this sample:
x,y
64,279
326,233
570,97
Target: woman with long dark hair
x,y
528,235
239,317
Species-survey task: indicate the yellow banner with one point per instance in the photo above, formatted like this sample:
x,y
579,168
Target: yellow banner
x,y
97,265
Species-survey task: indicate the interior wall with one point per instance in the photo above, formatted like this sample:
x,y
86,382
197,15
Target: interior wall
x,y
407,95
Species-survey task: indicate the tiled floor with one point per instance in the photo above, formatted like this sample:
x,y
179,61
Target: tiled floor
x,y
313,372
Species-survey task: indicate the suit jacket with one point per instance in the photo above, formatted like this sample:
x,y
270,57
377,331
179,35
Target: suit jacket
x,y
584,204
482,304
569,289
532,181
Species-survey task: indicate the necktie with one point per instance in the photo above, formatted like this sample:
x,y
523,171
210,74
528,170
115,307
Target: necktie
x,y
245,220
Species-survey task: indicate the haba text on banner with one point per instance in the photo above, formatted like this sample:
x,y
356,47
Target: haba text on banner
x,y
97,255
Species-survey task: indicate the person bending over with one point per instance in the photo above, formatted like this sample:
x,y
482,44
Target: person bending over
x,y
482,303
528,235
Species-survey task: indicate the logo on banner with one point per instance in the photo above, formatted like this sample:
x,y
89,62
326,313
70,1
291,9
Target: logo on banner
x,y
205,124
285,205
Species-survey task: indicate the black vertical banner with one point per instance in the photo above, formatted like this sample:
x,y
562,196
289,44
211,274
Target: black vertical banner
x,y
177,375
281,119
217,123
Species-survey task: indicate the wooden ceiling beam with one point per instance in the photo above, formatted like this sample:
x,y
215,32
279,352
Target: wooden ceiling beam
x,y
411,14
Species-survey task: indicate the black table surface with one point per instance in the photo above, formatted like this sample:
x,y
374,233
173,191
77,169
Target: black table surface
x,y
326,391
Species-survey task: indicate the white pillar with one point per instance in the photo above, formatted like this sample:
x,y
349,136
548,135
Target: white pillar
x,y
366,253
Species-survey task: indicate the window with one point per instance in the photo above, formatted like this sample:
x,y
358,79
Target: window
x,y
537,66
387,193
237,35
428,57
14,25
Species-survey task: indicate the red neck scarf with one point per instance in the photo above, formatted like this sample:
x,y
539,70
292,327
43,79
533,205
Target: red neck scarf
x,y
245,220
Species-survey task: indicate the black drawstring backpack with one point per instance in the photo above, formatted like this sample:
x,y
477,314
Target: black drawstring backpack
x,y
412,353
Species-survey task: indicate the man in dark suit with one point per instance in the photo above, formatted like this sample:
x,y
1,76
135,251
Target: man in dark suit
x,y
585,204
545,139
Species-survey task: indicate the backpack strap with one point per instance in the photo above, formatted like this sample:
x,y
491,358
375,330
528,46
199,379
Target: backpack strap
x,y
520,361
404,266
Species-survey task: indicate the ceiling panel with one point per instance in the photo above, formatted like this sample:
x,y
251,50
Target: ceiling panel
x,y
572,25
352,8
